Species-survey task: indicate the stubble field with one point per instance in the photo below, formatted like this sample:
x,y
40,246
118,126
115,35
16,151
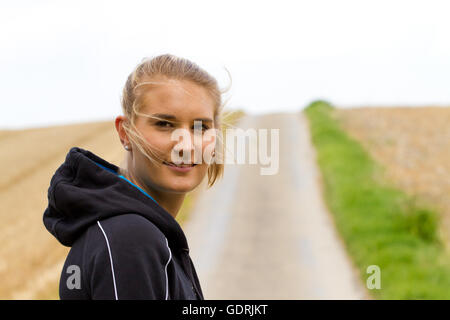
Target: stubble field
x,y
30,258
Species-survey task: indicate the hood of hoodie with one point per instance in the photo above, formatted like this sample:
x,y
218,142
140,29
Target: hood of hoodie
x,y
86,188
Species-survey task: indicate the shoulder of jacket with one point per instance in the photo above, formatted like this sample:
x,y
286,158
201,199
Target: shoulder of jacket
x,y
128,230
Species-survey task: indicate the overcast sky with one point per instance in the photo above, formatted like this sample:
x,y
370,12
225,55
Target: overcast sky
x,y
67,61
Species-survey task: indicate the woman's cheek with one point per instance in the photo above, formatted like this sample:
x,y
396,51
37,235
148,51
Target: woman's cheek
x,y
207,151
161,145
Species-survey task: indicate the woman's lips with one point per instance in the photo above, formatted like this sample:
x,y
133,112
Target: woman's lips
x,y
181,167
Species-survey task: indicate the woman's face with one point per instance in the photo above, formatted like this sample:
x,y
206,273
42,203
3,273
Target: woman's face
x,y
180,102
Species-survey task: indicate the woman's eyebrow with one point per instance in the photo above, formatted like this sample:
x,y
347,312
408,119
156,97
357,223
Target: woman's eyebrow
x,y
172,117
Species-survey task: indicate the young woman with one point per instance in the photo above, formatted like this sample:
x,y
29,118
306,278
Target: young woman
x,y
120,222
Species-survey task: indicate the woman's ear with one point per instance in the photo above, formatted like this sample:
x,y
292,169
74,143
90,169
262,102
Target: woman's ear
x,y
119,122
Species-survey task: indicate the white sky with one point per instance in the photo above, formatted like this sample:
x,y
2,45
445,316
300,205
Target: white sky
x,y
67,61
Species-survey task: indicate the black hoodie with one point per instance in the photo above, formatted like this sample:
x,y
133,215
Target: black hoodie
x,y
123,244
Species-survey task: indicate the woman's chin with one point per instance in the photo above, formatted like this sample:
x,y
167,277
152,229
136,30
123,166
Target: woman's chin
x,y
185,183
181,187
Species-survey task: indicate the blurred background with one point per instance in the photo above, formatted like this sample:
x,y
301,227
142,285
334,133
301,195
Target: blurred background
x,y
353,85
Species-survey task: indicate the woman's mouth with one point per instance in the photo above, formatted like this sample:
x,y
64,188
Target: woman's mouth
x,y
179,167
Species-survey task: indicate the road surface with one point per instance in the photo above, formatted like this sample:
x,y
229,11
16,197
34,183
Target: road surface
x,y
256,236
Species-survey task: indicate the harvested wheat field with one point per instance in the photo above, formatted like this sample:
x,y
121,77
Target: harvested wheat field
x,y
30,258
413,146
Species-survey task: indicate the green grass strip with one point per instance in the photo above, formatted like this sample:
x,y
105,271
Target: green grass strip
x,y
380,225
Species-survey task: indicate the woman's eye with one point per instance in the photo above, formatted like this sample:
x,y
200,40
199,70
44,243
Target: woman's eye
x,y
203,128
164,124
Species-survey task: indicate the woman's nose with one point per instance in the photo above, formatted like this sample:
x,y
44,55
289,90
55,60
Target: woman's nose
x,y
185,148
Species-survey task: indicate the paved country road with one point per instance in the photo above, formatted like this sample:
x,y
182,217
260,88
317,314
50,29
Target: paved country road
x,y
256,236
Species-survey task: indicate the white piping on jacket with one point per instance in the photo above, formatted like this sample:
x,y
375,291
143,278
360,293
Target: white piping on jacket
x,y
165,270
110,259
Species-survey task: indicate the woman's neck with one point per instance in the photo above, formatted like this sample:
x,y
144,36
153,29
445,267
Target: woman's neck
x,y
171,202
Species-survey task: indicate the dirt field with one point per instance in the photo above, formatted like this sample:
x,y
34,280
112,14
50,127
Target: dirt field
x,y
413,144
30,258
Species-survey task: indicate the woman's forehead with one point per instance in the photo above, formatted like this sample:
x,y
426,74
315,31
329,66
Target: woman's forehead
x,y
178,98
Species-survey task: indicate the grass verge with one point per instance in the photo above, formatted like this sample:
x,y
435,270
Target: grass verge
x,y
380,225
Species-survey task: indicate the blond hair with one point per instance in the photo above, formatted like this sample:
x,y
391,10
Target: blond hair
x,y
168,67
